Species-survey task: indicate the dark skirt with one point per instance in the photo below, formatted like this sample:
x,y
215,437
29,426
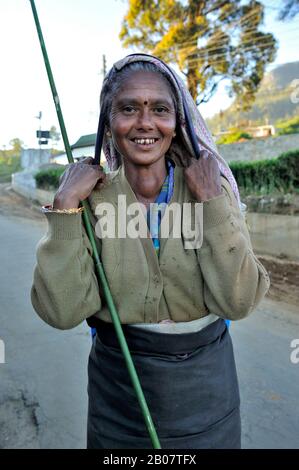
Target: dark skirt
x,y
189,381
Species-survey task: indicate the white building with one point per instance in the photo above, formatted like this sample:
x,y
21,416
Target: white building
x,y
84,147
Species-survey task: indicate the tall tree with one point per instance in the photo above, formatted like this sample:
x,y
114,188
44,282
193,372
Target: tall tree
x,y
55,136
289,10
16,144
209,40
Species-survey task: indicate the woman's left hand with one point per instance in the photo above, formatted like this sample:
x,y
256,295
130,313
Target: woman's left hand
x,y
203,177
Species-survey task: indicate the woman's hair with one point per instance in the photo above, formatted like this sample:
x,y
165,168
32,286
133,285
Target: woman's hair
x,y
116,80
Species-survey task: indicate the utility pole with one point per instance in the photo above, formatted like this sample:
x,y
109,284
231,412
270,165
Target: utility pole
x,y
39,116
104,70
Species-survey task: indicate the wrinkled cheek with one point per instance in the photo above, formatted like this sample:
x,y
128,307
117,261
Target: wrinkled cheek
x,y
119,127
169,127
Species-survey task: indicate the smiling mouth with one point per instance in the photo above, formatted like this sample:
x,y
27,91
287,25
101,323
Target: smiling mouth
x,y
145,142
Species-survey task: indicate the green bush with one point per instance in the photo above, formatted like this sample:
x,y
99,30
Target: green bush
x,y
234,137
256,177
49,179
291,126
268,176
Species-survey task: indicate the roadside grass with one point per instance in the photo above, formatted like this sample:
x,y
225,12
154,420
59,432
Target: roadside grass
x,y
8,166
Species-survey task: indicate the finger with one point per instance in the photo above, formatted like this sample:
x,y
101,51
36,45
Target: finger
x,y
101,174
191,161
100,183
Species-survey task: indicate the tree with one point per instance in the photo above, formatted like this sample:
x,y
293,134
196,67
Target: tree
x,y
54,136
16,147
209,40
289,10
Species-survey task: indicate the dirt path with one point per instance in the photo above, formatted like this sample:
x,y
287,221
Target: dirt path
x,y
284,274
12,204
284,277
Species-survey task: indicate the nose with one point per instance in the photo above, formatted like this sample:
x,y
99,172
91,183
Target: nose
x,y
145,121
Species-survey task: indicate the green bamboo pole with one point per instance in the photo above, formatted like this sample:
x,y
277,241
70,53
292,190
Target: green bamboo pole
x,y
98,264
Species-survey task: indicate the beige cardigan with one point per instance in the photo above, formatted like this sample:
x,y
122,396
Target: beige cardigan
x,y
223,276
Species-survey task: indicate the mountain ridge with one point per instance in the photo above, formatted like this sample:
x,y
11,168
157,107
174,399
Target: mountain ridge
x,y
272,103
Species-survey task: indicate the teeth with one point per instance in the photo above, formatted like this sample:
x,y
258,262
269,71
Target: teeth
x,y
144,141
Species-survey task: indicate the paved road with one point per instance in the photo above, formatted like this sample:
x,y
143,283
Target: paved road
x,y
269,381
43,397
43,382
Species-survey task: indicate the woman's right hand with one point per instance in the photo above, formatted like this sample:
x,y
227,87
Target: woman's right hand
x,y
77,182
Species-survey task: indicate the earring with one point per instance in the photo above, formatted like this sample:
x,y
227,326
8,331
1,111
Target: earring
x,y
108,134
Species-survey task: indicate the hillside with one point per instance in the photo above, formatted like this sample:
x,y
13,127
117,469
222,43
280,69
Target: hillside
x,y
272,102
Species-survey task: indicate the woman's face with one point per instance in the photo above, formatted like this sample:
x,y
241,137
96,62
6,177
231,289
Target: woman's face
x,y
142,119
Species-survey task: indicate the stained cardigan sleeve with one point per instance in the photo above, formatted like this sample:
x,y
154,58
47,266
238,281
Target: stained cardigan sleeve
x,y
234,279
65,289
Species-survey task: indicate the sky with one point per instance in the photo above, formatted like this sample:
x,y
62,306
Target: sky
x,y
77,33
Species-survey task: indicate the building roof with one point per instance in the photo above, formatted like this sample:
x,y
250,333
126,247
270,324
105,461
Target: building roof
x,y
85,141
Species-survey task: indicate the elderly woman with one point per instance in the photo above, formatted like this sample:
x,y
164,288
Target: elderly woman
x,y
172,298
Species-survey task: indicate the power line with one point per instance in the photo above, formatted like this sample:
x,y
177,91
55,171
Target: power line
x,y
254,40
194,42
262,38
228,54
212,46
196,37
218,62
234,23
251,41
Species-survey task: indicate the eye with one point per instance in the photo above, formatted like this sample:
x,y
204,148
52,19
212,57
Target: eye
x,y
128,109
160,110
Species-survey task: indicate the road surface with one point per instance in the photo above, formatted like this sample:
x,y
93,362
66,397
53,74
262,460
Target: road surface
x,y
43,397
